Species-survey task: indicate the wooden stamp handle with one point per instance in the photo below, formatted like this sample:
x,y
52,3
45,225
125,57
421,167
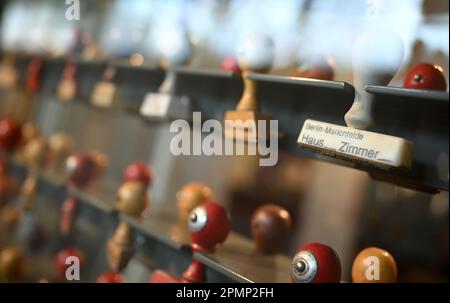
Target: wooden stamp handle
x,y
249,100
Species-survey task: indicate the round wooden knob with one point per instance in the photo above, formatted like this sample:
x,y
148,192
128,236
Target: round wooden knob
x,y
63,255
230,64
256,53
190,196
316,67
110,277
316,263
132,198
139,172
10,134
174,45
12,265
80,169
101,160
426,76
270,226
209,225
374,265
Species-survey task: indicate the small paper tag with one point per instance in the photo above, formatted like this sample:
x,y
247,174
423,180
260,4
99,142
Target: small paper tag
x,y
354,144
103,94
155,105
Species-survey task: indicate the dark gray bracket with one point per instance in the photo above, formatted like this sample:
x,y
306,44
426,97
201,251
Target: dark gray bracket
x,y
419,116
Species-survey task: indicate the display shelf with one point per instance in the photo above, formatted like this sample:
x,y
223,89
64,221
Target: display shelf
x,y
335,85
433,97
288,100
99,200
234,260
293,100
134,81
419,116
161,224
237,260
204,72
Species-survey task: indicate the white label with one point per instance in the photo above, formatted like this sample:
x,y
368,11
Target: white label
x,y
155,105
355,144
103,94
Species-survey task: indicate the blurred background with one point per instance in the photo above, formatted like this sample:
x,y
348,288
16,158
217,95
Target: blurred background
x,y
299,28
339,206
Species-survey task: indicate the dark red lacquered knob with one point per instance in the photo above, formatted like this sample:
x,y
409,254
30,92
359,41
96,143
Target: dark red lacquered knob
x,y
231,64
270,226
316,67
80,168
316,263
426,76
63,260
10,134
139,172
209,225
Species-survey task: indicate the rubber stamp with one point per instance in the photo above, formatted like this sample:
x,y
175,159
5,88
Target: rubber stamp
x,y
256,54
175,49
377,55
